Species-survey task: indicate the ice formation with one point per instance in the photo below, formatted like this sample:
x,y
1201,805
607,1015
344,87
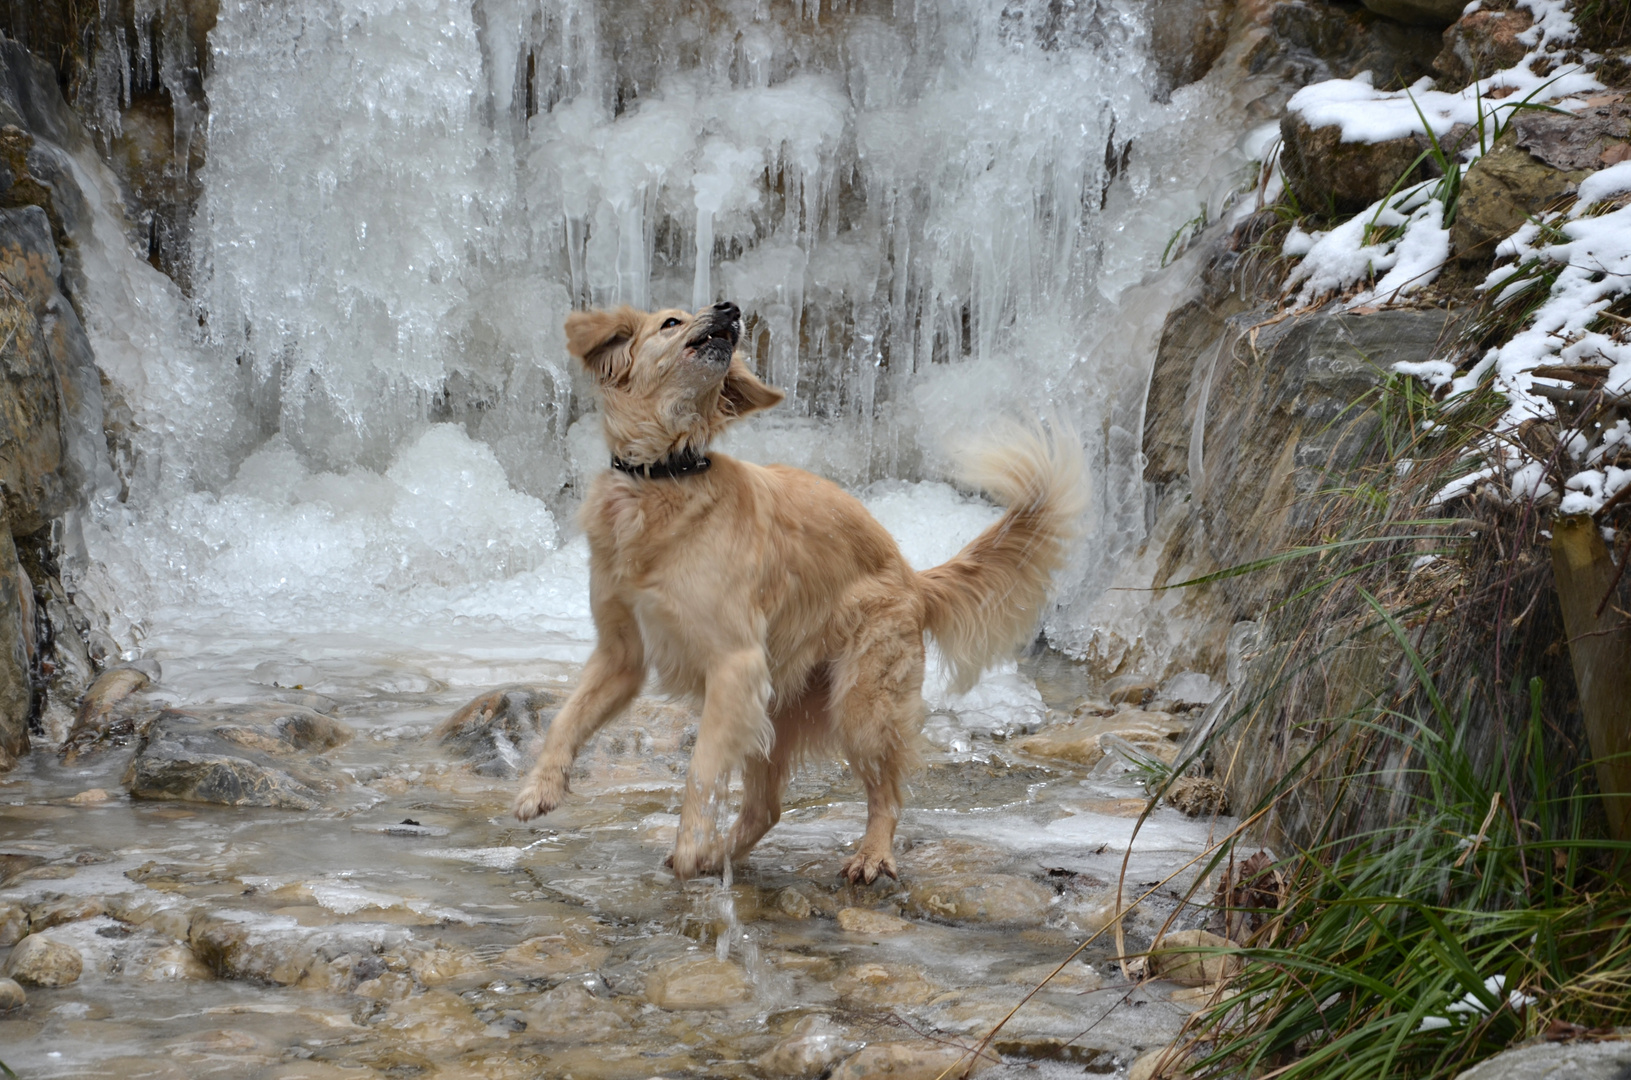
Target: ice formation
x,y
363,420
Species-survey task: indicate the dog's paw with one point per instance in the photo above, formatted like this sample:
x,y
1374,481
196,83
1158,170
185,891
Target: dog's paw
x,y
863,867
538,796
688,861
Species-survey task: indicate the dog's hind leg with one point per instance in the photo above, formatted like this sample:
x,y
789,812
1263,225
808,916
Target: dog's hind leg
x,y
879,715
799,722
733,729
611,679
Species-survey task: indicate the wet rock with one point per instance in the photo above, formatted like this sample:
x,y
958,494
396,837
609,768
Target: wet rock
x,y
391,986
1192,958
794,904
11,995
277,950
905,1061
883,985
1577,1061
1076,977
492,731
174,963
13,923
1480,44
1591,139
91,797
1329,176
1129,690
39,961
808,1050
1312,41
95,722
554,954
436,1018
1435,13
1187,37
866,921
440,965
238,756
1188,689
16,691
1499,192
1198,796
569,1013
697,982
992,898
1082,742
64,909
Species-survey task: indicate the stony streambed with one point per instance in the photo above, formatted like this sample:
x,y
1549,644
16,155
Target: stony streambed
x,y
402,924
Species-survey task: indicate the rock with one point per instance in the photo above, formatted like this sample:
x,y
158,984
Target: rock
x,y
440,964
39,961
64,909
1076,977
276,950
237,756
1189,958
13,923
1329,176
391,986
1188,689
1435,13
174,963
1589,140
808,1050
697,982
570,1014
433,1020
869,922
1198,796
993,898
1480,44
554,954
883,984
16,635
1311,42
11,995
1187,37
794,904
1162,1064
1499,192
493,730
906,1061
95,722
91,797
1152,733
1553,1061
1129,690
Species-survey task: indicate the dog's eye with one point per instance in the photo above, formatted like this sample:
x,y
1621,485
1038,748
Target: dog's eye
x,y
670,322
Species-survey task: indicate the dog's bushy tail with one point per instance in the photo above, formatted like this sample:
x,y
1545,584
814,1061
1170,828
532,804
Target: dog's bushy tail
x,y
984,602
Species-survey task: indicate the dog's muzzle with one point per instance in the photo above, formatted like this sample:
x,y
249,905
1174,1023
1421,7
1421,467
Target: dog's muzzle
x,y
716,332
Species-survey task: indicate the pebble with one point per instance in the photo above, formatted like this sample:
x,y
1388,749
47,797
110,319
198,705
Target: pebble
x,y
11,995
91,797
794,904
869,921
697,982
39,961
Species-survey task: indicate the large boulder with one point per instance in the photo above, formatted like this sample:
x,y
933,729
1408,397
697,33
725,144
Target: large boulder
x,y
39,961
256,755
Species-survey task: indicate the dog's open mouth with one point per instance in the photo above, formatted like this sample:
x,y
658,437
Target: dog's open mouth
x,y
716,333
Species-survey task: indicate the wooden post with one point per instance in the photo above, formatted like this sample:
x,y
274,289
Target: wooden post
x,y
1600,648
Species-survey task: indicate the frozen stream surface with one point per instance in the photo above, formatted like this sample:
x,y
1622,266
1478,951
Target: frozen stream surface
x,y
340,942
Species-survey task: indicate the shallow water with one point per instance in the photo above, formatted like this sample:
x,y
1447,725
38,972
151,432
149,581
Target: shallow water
x,y
467,944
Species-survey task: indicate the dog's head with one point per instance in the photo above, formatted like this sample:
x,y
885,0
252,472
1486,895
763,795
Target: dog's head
x,y
669,380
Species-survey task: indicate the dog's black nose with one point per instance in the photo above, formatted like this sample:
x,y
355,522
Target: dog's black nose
x,y
728,309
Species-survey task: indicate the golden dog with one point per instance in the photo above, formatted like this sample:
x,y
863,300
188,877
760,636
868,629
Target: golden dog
x,y
771,596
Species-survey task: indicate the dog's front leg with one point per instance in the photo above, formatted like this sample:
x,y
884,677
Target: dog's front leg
x,y
734,724
611,679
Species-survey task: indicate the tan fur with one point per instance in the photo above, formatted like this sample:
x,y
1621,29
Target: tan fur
x,y
772,597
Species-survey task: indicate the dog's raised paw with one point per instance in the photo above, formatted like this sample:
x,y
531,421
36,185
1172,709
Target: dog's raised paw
x,y
863,868
537,798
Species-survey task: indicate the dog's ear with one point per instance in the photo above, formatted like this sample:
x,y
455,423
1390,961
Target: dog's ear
x,y
743,393
598,338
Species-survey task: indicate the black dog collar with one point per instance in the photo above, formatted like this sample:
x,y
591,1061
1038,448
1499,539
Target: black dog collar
x,y
687,464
